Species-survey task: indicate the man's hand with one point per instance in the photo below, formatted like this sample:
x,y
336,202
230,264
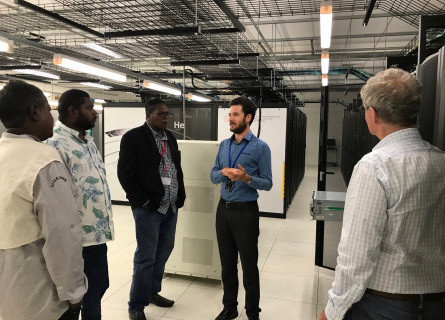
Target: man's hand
x,y
228,172
236,174
322,316
240,175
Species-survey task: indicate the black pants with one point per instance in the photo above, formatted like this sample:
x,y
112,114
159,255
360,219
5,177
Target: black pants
x,y
237,230
70,315
96,270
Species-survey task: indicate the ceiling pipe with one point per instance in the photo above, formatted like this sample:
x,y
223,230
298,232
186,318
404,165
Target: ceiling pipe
x,y
368,13
359,73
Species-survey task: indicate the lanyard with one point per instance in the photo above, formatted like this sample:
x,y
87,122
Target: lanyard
x,y
162,155
237,157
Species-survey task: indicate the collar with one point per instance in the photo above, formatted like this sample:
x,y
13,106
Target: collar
x,y
8,135
397,136
162,136
72,132
247,137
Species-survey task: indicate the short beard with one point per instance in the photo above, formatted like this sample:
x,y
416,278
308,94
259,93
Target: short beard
x,y
83,123
240,128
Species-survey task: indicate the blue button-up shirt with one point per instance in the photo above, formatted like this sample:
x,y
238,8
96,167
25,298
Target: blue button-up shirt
x,y
255,159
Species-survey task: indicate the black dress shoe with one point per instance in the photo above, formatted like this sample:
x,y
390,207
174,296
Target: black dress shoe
x,y
227,315
136,315
160,301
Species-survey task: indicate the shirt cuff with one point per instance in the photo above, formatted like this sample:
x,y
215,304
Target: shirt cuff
x,y
331,313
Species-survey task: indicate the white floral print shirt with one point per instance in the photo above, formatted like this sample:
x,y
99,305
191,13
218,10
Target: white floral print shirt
x,y
88,172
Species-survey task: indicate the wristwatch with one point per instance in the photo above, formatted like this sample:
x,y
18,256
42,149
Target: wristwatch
x,y
248,182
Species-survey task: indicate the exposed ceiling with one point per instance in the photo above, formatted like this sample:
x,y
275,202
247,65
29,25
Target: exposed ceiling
x,y
268,44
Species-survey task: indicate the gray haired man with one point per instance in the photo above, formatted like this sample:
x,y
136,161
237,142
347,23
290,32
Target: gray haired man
x,y
391,254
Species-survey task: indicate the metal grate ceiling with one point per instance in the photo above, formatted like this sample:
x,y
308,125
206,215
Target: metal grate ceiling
x,y
279,8
168,18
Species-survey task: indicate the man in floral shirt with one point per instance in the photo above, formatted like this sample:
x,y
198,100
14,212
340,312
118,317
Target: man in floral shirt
x,y
80,154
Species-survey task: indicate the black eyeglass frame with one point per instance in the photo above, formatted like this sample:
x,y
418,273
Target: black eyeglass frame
x,y
163,114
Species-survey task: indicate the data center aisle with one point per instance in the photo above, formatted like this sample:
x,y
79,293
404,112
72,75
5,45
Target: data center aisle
x,y
292,287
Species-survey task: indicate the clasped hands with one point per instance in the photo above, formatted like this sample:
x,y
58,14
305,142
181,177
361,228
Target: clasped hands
x,y
236,174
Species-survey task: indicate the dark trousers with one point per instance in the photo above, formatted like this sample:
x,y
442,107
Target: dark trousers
x,y
155,236
372,307
237,231
96,270
70,315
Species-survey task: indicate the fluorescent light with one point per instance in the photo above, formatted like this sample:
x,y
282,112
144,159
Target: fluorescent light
x,y
324,80
1,87
46,93
96,85
325,23
325,62
159,87
38,73
103,50
99,101
98,107
73,64
195,97
6,46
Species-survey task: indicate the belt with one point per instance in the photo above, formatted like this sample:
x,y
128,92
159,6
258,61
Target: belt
x,y
231,204
407,297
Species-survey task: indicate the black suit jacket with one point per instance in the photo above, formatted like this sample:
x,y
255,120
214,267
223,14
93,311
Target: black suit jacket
x,y
138,168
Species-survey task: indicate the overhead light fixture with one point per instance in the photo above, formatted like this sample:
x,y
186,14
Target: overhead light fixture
x,y
38,73
1,87
195,97
324,80
325,62
159,87
103,50
325,23
98,107
46,93
6,45
96,85
76,65
99,101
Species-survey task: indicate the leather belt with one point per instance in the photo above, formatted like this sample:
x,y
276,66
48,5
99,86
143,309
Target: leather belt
x,y
407,297
231,204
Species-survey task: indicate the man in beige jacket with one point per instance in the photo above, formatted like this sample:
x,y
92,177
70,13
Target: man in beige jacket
x,y
41,274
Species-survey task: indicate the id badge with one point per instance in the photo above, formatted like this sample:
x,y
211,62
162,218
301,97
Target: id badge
x,y
166,181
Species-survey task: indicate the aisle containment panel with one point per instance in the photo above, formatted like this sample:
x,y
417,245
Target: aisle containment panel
x,y
196,248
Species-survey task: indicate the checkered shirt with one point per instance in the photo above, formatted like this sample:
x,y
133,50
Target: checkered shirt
x,y
171,191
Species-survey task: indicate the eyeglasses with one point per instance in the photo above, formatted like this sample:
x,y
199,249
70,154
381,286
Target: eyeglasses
x,y
163,114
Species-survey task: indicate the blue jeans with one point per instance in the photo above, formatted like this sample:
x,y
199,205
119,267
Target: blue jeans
x,y
155,236
372,307
96,270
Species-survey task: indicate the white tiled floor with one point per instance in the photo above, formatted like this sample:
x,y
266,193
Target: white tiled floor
x,y
292,287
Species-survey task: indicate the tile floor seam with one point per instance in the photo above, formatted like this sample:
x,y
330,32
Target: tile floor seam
x,y
290,275
267,257
116,291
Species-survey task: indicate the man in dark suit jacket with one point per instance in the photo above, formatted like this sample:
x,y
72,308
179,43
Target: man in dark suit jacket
x,y
149,170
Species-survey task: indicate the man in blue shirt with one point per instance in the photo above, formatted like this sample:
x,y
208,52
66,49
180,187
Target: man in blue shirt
x,y
243,165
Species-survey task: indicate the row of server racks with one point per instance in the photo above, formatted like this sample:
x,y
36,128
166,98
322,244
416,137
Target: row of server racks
x,y
356,139
295,153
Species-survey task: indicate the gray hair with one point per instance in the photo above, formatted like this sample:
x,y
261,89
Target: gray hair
x,y
395,95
